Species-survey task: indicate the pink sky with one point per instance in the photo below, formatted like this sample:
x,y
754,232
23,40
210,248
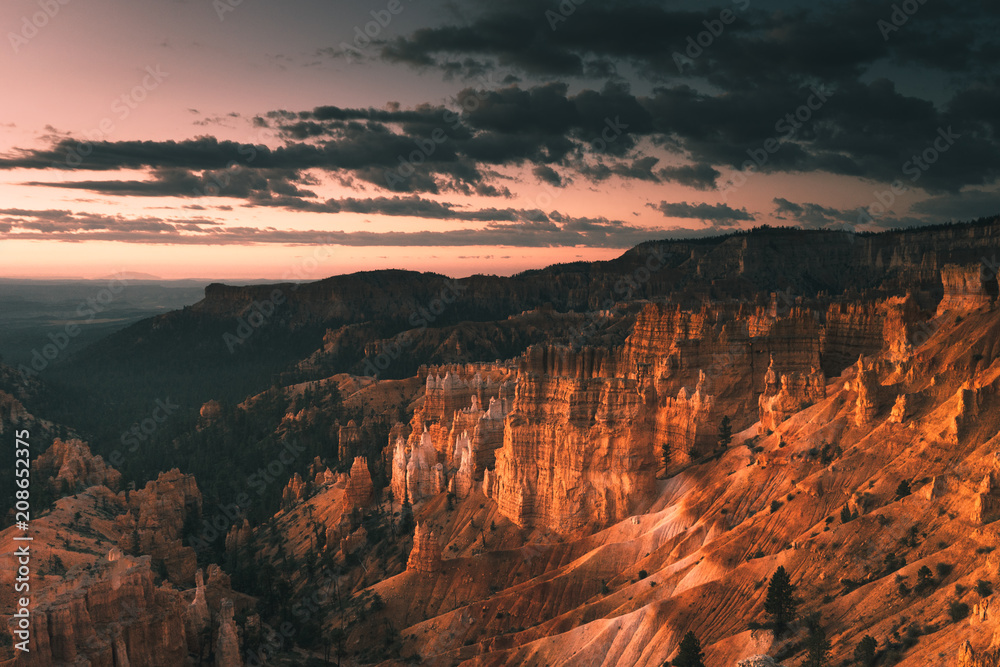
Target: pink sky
x,y
173,71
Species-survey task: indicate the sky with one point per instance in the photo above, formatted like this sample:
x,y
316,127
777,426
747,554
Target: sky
x,y
297,139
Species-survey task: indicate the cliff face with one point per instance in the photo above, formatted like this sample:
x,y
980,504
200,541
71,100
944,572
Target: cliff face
x,y
452,429
727,349
969,657
359,493
761,262
585,431
69,465
790,393
154,523
585,436
111,614
569,439
417,474
578,450
94,604
425,556
967,287
866,384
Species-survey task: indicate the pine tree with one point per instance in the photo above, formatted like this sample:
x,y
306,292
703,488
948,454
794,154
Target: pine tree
x,y
406,515
725,432
817,645
780,603
689,654
665,452
925,580
864,654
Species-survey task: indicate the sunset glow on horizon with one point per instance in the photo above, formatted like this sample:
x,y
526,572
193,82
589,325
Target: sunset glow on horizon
x,y
231,140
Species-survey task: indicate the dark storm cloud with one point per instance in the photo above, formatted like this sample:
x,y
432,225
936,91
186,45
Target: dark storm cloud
x,y
272,188
174,182
793,91
360,149
868,130
698,176
967,205
640,169
813,215
515,38
720,214
763,63
427,149
826,40
547,174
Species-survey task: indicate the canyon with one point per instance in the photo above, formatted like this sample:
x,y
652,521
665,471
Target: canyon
x,y
633,472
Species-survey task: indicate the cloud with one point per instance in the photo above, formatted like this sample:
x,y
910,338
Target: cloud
x,y
759,71
697,176
555,230
74,226
177,182
547,174
815,216
866,130
640,168
722,215
600,94
409,206
823,41
966,205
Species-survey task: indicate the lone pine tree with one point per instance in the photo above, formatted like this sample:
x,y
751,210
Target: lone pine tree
x,y
689,653
780,603
864,654
817,645
725,432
